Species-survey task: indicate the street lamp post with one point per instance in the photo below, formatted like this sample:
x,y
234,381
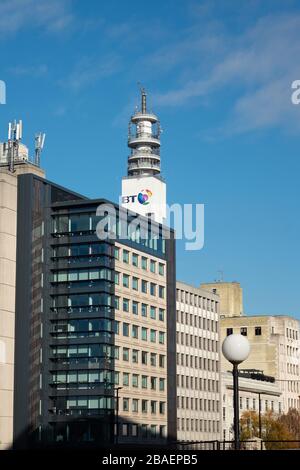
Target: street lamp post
x,y
117,415
236,349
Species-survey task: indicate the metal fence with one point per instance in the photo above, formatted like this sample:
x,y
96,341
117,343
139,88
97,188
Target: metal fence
x,y
255,444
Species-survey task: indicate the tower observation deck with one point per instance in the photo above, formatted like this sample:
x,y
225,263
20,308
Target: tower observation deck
x,y
144,141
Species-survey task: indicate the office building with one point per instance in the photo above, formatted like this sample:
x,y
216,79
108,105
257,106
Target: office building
x,y
198,364
14,161
274,341
91,315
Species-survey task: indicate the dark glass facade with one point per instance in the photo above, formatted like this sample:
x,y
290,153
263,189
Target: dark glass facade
x,y
65,323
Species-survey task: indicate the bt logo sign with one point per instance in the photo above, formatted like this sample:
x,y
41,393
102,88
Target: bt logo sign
x,y
143,197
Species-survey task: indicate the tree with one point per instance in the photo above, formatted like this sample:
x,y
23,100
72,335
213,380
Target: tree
x,y
274,428
292,421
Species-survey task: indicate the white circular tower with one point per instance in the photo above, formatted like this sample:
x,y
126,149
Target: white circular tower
x,y
144,142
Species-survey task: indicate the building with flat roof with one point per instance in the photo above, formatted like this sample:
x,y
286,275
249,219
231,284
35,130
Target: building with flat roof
x,y
198,364
275,343
92,315
14,161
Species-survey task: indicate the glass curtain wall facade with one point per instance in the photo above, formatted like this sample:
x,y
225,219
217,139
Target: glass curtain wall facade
x,y
65,318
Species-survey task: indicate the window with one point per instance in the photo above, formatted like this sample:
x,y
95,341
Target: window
x,y
144,381
116,327
153,359
135,356
258,331
153,407
125,379
153,313
161,360
117,278
135,283
244,331
125,280
161,269
153,430
126,305
144,310
116,252
135,380
144,333
161,292
229,331
135,405
135,331
125,354
152,288
135,259
144,357
135,307
162,407
144,406
153,383
125,404
144,263
117,302
125,256
152,266
153,336
161,315
161,384
161,337
125,329
144,286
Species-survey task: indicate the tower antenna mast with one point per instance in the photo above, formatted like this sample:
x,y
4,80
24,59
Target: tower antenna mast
x,y
39,145
15,131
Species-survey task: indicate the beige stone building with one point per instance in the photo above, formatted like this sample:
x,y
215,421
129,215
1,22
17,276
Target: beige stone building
x,y
141,343
198,364
231,297
8,223
274,340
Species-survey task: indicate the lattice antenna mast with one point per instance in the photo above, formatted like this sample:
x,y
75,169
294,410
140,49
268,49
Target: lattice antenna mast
x,y
15,131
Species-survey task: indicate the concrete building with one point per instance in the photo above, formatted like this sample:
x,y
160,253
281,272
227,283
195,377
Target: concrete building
x,y
141,316
275,346
274,340
8,232
231,297
198,364
255,389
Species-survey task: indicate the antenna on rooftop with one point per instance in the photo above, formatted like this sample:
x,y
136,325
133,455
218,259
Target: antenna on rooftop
x,y
39,144
15,132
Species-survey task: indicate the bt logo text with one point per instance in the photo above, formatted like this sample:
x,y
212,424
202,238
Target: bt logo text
x,y
295,97
2,92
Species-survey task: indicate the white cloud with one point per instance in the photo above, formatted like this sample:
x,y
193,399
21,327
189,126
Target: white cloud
x,y
29,70
258,66
89,70
16,15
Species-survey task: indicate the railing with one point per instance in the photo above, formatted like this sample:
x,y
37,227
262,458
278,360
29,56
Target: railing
x,y
142,136
139,164
152,151
251,444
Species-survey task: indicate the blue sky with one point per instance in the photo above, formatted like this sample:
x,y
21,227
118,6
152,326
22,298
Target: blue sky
x,y
219,76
